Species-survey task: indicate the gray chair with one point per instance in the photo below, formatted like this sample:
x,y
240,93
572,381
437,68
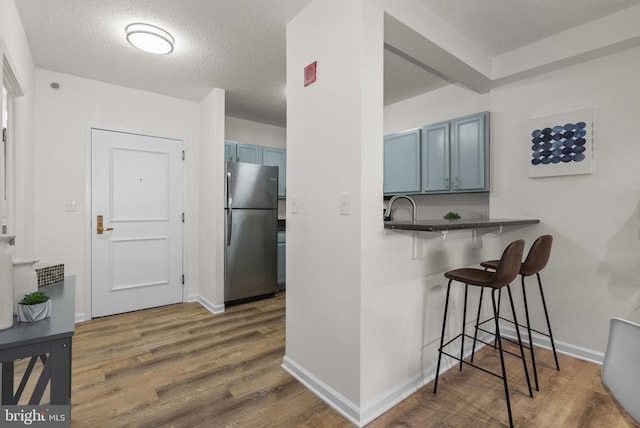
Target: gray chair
x,y
621,367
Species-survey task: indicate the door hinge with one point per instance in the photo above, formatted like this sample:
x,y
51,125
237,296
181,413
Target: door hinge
x,y
4,135
183,217
183,155
182,279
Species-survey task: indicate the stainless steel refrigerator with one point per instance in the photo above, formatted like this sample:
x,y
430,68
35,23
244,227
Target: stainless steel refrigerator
x,y
251,217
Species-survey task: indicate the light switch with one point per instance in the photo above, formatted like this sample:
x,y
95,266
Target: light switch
x,y
70,205
345,203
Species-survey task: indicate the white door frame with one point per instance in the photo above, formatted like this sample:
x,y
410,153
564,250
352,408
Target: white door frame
x,y
88,219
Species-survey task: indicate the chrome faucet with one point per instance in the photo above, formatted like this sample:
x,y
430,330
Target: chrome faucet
x,y
387,213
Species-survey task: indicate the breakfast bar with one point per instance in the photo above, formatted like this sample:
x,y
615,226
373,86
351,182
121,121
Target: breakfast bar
x,y
441,225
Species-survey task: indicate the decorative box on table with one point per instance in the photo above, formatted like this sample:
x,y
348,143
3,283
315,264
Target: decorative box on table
x,y
48,273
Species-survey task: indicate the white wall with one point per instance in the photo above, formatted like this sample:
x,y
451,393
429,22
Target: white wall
x,y
595,219
210,188
594,270
324,159
362,314
62,120
246,131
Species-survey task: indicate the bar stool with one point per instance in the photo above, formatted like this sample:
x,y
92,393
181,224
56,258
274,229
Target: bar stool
x,y
506,271
536,260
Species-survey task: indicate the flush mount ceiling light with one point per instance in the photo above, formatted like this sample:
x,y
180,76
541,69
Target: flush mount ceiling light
x,y
150,38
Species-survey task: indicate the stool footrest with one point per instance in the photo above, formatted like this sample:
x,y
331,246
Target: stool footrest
x,y
481,341
472,365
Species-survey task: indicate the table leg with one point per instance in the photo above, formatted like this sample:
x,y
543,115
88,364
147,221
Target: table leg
x,y
60,360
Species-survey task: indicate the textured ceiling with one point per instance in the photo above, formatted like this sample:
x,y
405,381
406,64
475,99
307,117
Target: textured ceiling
x,y
499,26
239,45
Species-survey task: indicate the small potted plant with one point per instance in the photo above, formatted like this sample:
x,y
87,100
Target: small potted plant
x,y
452,216
33,307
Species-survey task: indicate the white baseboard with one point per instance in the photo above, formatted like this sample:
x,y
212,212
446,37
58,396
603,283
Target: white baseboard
x,y
329,395
362,416
214,309
561,347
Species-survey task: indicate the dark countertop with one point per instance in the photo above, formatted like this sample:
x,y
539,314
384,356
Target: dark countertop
x,y
439,225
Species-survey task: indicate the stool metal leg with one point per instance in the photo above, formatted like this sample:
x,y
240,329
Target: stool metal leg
x,y
444,323
515,321
464,323
499,342
495,343
475,335
546,314
526,313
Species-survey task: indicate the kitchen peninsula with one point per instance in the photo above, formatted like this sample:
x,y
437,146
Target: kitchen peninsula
x,y
441,225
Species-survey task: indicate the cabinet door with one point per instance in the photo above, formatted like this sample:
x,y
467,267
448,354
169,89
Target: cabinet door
x,y
277,157
229,151
249,153
435,158
402,162
469,153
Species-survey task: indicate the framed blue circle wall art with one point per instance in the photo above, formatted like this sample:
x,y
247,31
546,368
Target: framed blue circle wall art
x,y
561,144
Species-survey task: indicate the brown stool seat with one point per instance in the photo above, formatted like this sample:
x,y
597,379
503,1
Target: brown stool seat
x,y
490,264
472,276
536,260
506,271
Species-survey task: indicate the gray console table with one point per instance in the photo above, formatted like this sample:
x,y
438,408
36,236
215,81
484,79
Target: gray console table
x,y
49,341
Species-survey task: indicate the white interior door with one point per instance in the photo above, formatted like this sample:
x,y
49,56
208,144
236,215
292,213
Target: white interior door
x,y
136,186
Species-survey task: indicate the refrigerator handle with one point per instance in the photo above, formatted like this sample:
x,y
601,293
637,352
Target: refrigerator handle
x,y
229,210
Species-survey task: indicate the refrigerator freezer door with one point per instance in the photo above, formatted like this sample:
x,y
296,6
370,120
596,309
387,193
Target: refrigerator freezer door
x,y
251,258
252,186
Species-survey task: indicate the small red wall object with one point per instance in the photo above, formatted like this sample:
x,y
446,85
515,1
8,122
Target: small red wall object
x,y
310,73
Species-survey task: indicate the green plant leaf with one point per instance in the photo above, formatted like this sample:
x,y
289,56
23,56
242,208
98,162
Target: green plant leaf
x,y
34,298
451,216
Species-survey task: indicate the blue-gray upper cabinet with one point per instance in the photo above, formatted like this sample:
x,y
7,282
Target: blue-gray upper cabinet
x,y
402,162
469,153
229,151
435,158
248,153
277,157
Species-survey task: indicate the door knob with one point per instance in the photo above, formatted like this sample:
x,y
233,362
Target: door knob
x,y
99,226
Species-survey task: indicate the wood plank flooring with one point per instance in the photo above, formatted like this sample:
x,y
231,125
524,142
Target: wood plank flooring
x,y
180,366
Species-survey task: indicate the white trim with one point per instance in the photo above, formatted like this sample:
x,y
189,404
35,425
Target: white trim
x,y
399,392
87,211
561,347
361,416
214,309
329,395
87,224
19,188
